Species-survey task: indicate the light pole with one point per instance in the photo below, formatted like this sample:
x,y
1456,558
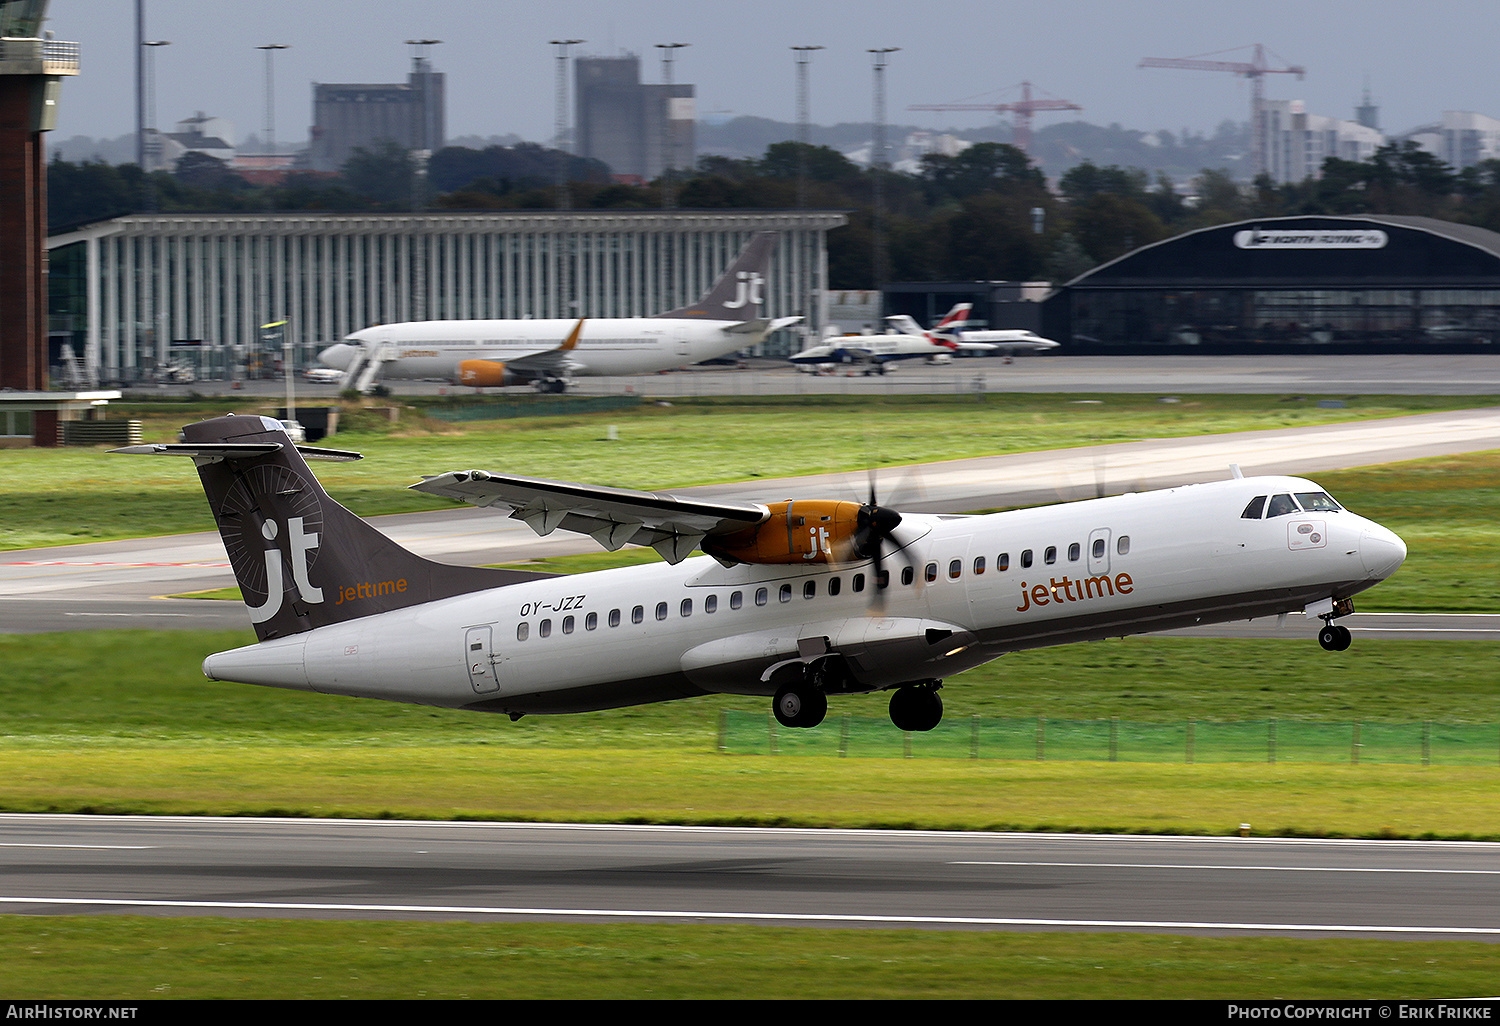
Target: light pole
x,y
150,150
425,136
812,310
564,201
420,65
804,116
668,129
877,167
270,141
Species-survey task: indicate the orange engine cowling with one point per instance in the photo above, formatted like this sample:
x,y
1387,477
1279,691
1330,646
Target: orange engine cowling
x,y
485,374
801,531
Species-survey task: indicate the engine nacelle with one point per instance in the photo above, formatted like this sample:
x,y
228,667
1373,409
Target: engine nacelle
x,y
486,374
800,531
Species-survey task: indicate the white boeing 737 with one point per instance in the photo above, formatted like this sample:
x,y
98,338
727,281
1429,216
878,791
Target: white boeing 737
x,y
795,601
549,353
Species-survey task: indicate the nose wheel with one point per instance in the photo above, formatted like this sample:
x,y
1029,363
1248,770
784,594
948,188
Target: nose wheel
x,y
1334,638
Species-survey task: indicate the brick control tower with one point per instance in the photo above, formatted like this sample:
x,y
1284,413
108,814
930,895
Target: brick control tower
x,y
31,71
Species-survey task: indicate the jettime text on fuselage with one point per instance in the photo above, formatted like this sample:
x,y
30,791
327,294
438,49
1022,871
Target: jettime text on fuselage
x,y
1070,590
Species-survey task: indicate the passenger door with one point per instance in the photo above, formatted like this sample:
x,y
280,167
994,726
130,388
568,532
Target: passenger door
x,y
479,657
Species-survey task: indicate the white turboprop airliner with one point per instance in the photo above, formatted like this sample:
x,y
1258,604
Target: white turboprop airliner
x,y
906,340
547,354
794,601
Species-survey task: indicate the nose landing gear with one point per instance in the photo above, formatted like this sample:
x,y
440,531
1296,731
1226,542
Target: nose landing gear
x,y
1334,637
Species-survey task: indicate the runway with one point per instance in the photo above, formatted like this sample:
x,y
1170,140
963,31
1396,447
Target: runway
x,y
125,584
331,869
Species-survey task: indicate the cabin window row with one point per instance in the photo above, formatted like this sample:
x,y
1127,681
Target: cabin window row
x,y
662,610
809,589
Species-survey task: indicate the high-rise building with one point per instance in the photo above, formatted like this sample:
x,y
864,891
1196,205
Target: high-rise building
x,y
350,116
639,130
1297,142
1468,138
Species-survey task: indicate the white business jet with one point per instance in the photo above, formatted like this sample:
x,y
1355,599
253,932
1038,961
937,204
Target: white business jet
x,y
549,353
795,601
907,340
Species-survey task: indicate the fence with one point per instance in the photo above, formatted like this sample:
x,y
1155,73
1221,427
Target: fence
x,y
1040,738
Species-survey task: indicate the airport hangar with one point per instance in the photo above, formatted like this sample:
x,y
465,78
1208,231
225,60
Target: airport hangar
x,y
135,295
1352,284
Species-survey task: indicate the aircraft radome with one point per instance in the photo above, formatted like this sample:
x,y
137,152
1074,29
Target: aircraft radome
x,y
490,353
794,601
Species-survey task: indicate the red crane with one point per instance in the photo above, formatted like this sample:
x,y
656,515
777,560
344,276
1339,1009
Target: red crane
x,y
1255,69
1023,109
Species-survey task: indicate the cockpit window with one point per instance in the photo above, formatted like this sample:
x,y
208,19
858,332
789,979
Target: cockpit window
x,y
1254,510
1320,502
1280,506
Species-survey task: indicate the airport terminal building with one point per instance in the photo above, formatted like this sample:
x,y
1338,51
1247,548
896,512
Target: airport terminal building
x,y
138,297
1369,283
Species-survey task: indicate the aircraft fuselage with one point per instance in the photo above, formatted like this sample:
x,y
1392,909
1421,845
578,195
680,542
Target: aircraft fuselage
x,y
962,591
621,345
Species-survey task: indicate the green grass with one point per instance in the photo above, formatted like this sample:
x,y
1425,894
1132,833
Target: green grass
x,y
690,442
143,959
150,735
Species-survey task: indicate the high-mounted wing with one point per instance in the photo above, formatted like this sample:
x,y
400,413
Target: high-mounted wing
x,y
613,517
798,532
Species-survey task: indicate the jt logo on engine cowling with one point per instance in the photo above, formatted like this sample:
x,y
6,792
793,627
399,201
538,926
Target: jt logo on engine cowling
x,y
301,543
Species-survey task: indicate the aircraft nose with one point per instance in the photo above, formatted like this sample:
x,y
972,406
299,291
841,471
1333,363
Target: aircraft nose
x,y
1382,551
337,356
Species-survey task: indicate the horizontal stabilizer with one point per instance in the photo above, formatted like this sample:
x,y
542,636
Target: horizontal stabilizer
x,y
233,451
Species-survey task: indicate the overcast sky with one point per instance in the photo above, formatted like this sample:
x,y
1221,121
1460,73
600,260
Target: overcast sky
x,y
1419,59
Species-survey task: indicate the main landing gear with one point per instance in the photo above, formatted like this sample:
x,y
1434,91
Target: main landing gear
x,y
550,386
917,706
804,703
799,705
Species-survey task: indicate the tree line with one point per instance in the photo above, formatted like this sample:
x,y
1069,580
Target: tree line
x,y
984,214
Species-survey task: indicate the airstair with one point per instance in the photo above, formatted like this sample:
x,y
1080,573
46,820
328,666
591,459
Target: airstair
x,y
365,367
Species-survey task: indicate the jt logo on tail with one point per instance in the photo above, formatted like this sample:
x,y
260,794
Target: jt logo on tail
x,y
748,290
302,543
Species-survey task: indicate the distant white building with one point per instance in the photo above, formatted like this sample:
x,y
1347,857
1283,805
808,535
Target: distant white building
x,y
1297,142
198,134
1467,138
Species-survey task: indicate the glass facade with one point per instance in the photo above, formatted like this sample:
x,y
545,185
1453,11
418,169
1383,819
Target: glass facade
x,y
148,296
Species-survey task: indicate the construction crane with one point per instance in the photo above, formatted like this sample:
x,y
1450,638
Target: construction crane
x,y
1023,109
1256,69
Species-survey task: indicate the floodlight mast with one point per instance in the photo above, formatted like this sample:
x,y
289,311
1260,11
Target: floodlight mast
x,y
878,166
560,136
668,129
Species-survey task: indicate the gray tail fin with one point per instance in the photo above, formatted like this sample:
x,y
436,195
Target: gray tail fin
x,y
739,294
302,560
